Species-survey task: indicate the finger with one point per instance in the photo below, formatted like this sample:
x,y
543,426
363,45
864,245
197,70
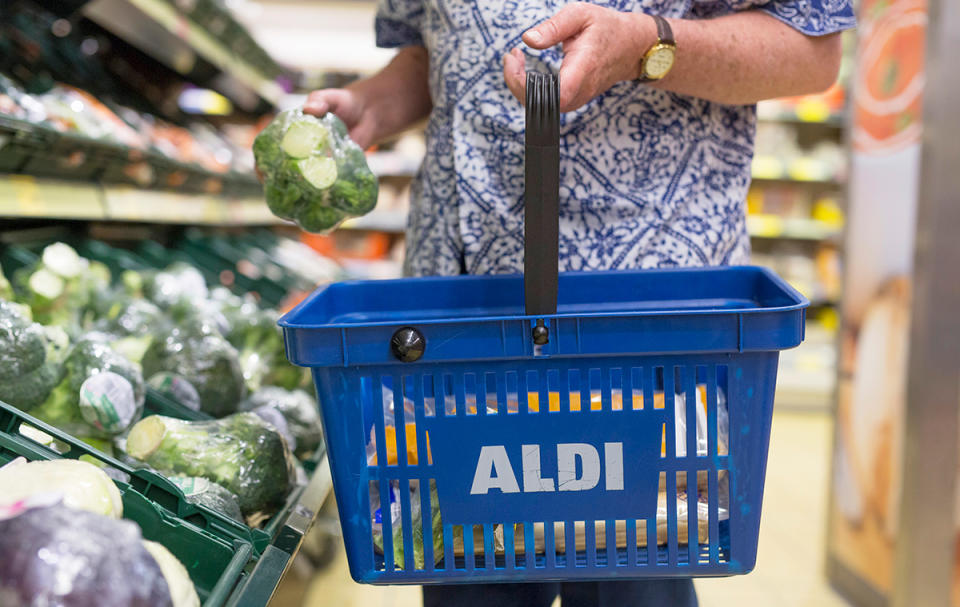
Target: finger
x,y
567,23
574,71
513,73
336,101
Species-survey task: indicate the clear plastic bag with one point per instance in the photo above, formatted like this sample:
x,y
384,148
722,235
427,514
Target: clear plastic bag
x,y
314,174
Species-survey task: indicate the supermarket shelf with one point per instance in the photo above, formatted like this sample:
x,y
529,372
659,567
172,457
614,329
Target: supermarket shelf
x,y
790,228
393,164
808,111
23,196
379,221
158,29
801,170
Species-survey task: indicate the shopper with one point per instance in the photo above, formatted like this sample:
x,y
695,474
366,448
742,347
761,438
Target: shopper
x,y
656,145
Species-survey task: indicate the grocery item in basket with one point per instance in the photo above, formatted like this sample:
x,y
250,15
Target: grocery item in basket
x,y
100,407
61,556
206,360
241,452
300,411
396,521
75,483
620,528
182,592
29,359
199,490
314,174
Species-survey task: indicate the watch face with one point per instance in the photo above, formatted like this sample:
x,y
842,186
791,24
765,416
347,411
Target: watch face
x,y
659,62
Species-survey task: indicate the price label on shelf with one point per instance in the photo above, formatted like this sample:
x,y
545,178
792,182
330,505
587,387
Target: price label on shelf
x,y
25,196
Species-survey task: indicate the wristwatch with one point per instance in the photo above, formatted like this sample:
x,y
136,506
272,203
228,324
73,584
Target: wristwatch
x,y
658,60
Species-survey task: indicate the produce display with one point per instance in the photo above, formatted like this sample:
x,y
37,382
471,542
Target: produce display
x,y
314,173
110,338
66,109
241,452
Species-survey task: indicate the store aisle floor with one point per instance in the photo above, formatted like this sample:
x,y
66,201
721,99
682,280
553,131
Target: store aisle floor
x,y
789,572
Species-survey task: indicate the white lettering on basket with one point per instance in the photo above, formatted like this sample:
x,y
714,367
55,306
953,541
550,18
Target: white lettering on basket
x,y
567,454
494,470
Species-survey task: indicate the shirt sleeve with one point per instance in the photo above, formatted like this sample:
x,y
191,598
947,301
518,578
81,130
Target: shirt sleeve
x,y
398,23
813,17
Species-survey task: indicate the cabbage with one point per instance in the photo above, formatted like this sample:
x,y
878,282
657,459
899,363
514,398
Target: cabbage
x,y
181,588
81,485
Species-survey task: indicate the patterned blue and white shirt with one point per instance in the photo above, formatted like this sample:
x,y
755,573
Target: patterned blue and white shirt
x,y
648,178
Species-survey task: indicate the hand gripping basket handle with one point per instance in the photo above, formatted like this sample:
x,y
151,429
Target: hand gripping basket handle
x,y
541,194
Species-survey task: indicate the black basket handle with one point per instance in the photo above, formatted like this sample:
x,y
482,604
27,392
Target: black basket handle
x,y
541,229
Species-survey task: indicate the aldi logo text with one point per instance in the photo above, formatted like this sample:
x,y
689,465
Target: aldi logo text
x,y
494,470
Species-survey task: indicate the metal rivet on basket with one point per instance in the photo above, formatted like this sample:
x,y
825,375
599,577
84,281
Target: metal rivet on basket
x,y
541,334
407,344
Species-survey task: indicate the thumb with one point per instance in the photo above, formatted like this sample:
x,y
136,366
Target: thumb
x,y
567,23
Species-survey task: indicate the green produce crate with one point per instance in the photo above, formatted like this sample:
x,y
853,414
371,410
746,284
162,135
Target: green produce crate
x,y
216,566
149,484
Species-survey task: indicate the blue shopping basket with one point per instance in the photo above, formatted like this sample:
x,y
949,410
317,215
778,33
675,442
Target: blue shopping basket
x,y
480,431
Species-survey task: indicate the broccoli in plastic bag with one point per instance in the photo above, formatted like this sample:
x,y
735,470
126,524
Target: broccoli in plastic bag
x,y
314,174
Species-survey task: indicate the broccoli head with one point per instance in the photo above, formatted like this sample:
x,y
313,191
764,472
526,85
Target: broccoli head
x,y
206,360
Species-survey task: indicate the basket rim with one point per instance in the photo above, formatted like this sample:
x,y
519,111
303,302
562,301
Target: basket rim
x,y
799,301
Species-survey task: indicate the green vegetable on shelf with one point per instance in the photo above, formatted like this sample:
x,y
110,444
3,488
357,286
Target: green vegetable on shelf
x,y
200,491
298,408
101,393
241,452
62,288
314,174
206,360
30,358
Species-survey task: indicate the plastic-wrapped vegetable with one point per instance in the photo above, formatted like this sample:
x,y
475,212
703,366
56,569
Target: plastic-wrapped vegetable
x,y
298,408
61,556
80,485
417,521
134,322
199,490
177,282
182,592
243,453
176,388
30,364
101,394
314,174
62,286
204,359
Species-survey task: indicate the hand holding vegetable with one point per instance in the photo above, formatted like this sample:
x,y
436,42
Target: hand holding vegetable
x,y
347,105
